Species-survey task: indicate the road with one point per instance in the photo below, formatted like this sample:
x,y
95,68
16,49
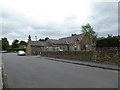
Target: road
x,y
38,72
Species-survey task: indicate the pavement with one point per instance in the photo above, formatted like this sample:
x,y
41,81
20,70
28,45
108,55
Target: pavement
x,y
87,63
43,72
1,83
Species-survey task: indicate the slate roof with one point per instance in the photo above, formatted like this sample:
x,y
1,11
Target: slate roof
x,y
39,43
57,42
62,41
73,39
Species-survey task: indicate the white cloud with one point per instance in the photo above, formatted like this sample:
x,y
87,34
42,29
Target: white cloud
x,y
49,10
55,18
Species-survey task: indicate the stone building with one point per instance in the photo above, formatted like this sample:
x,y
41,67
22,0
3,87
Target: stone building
x,y
76,42
37,46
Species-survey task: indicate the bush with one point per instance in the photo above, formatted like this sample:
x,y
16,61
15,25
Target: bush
x,y
107,42
15,49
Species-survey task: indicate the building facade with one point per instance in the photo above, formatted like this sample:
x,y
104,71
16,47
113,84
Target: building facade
x,y
75,42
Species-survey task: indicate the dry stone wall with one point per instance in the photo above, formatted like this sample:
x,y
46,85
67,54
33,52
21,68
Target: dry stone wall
x,y
101,55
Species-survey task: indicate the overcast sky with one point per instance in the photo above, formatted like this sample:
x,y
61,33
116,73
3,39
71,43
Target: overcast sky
x,y
56,18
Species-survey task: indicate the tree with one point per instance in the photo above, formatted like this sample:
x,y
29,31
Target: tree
x,y
41,39
15,44
5,43
22,43
109,41
87,29
0,45
44,39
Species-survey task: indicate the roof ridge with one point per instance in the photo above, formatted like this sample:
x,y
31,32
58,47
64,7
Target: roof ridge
x,y
71,36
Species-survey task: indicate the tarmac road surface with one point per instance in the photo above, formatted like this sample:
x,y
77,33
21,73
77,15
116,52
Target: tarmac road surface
x,y
38,72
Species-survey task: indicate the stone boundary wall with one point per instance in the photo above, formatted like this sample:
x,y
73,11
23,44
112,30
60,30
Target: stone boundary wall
x,y
102,55
108,54
73,55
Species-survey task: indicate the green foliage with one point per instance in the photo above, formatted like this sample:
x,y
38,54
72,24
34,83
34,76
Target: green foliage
x,y
44,39
41,39
22,43
0,45
5,43
17,48
15,44
87,29
110,41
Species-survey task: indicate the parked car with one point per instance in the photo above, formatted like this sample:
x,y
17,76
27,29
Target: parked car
x,y
4,51
21,53
59,50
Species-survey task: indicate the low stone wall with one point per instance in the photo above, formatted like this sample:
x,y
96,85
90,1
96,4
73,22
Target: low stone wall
x,y
102,55
74,55
108,55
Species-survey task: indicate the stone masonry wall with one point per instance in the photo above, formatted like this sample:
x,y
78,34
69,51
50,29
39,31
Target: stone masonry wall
x,y
102,55
108,55
74,55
